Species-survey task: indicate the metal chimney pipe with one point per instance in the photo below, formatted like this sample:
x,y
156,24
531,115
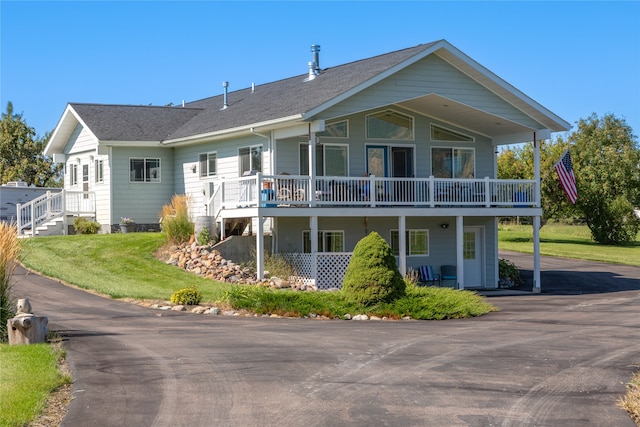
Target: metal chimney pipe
x,y
225,104
315,50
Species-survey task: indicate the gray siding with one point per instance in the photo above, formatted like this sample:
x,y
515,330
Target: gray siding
x,y
141,201
430,75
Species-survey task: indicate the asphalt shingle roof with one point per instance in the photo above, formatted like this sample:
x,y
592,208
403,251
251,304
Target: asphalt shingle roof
x,y
271,101
133,122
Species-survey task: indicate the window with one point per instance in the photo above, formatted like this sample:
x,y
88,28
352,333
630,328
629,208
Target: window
x,y
208,164
453,162
441,134
331,160
73,175
144,170
389,124
250,159
328,241
304,159
99,170
417,242
335,130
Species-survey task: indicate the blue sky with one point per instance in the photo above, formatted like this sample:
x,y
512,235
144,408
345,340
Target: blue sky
x,y
575,58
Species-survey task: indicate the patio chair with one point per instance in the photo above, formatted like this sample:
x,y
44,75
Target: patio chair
x,y
427,275
449,272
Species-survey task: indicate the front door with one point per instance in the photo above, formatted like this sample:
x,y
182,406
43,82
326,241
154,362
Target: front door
x,y
473,251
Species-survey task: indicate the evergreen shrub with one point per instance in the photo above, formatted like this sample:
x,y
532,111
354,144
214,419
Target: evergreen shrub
x,y
372,276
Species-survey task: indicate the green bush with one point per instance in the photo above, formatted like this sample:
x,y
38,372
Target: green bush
x,y
85,226
508,272
187,296
372,276
204,237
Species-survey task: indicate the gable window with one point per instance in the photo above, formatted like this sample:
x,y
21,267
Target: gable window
x,y
73,174
452,162
208,164
250,159
439,133
328,241
331,160
335,130
417,242
99,170
144,170
389,124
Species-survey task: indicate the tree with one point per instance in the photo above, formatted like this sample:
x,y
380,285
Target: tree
x,y
372,275
517,163
606,162
21,153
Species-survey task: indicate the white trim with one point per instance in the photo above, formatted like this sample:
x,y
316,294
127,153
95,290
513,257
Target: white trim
x,y
144,178
245,129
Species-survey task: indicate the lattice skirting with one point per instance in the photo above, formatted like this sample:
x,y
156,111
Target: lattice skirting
x,y
330,271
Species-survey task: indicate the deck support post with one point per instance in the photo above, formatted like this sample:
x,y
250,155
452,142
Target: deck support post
x,y
313,227
260,248
402,243
536,219
536,255
460,251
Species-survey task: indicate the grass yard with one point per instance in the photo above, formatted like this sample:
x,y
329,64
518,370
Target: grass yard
x,y
28,373
567,242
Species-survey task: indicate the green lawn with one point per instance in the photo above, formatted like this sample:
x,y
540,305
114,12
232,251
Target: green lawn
x,y
123,266
567,242
28,373
117,265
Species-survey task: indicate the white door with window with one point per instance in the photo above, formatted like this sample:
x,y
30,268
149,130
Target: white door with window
x,y
473,251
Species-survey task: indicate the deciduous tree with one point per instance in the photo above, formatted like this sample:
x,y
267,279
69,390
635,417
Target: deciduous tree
x,y
21,153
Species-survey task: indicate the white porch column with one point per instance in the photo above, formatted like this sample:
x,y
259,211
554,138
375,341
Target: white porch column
x,y
312,168
402,243
313,230
260,248
536,255
460,251
536,219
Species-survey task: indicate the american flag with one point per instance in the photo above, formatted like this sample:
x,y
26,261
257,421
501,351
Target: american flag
x,y
564,168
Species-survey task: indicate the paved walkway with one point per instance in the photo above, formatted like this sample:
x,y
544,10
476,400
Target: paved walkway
x,y
560,358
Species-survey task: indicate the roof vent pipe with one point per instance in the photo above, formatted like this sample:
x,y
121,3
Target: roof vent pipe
x,y
315,50
225,104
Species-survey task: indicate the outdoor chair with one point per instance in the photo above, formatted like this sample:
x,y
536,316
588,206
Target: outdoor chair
x,y
449,272
427,275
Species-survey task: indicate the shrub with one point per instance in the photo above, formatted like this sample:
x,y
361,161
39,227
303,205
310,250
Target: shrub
x,y
204,237
85,226
508,273
174,220
187,296
9,252
372,275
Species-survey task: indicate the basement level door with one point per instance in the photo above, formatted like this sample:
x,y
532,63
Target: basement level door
x,y
473,251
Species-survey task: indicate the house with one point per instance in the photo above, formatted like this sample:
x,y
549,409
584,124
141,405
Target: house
x,y
403,144
16,193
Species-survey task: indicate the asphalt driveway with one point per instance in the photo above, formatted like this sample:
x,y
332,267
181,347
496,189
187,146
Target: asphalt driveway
x,y
560,358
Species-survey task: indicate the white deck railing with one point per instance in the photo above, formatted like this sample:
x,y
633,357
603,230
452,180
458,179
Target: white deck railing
x,y
52,205
290,190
